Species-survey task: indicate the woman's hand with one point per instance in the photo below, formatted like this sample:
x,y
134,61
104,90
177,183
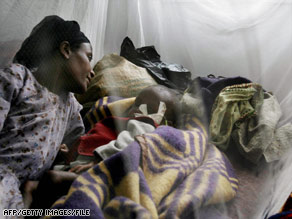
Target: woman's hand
x,y
83,167
64,149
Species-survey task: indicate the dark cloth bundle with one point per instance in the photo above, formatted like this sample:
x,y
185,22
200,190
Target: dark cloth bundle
x,y
170,75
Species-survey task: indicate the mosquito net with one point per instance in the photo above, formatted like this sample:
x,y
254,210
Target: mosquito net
x,y
251,39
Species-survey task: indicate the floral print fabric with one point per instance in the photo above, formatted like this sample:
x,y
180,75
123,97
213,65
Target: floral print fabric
x,y
33,124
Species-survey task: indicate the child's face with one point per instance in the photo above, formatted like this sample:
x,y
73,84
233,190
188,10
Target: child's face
x,y
148,98
152,98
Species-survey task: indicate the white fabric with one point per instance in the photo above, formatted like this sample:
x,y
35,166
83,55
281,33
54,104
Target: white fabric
x,y
249,38
124,139
157,117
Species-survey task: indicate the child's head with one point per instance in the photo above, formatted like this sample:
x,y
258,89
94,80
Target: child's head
x,y
152,96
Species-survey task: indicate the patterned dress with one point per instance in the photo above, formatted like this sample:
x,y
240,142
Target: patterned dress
x,y
33,124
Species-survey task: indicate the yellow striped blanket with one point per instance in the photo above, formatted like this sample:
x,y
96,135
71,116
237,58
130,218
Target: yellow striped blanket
x,y
169,173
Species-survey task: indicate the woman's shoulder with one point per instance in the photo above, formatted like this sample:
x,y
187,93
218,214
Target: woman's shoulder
x,y
74,102
13,81
16,72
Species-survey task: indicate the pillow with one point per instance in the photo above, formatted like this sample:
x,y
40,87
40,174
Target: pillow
x,y
116,76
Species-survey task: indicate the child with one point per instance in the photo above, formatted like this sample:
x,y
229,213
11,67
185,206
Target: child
x,y
107,137
161,105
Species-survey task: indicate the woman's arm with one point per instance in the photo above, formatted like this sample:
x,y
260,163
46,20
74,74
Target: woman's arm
x,y
11,81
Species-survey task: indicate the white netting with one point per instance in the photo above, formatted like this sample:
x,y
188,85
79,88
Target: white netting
x,y
252,39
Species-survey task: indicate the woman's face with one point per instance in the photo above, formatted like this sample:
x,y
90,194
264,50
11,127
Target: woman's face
x,y
78,69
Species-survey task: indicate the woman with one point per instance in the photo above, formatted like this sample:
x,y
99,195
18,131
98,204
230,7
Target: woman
x,y
38,112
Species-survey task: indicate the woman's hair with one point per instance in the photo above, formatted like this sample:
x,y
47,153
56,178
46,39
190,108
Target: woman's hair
x,y
46,38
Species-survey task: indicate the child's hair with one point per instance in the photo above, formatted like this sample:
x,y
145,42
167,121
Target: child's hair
x,y
46,38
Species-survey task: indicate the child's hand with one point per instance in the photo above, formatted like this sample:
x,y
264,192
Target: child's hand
x,y
62,154
64,148
82,167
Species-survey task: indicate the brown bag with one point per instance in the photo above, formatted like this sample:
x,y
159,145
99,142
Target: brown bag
x,y
116,76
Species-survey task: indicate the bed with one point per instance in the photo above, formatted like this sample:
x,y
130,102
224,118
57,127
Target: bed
x,y
179,172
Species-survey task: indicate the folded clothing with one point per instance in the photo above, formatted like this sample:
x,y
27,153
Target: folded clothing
x,y
208,88
108,130
233,105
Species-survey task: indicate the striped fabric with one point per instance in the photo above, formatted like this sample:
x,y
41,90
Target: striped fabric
x,y
106,107
169,173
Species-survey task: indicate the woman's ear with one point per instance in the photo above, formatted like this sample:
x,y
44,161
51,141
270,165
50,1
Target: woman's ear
x,y
65,49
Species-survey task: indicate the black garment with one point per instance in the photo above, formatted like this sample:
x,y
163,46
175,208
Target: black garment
x,y
170,75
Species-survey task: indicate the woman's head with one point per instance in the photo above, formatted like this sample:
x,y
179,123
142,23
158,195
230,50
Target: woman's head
x,y
45,39
64,45
76,72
